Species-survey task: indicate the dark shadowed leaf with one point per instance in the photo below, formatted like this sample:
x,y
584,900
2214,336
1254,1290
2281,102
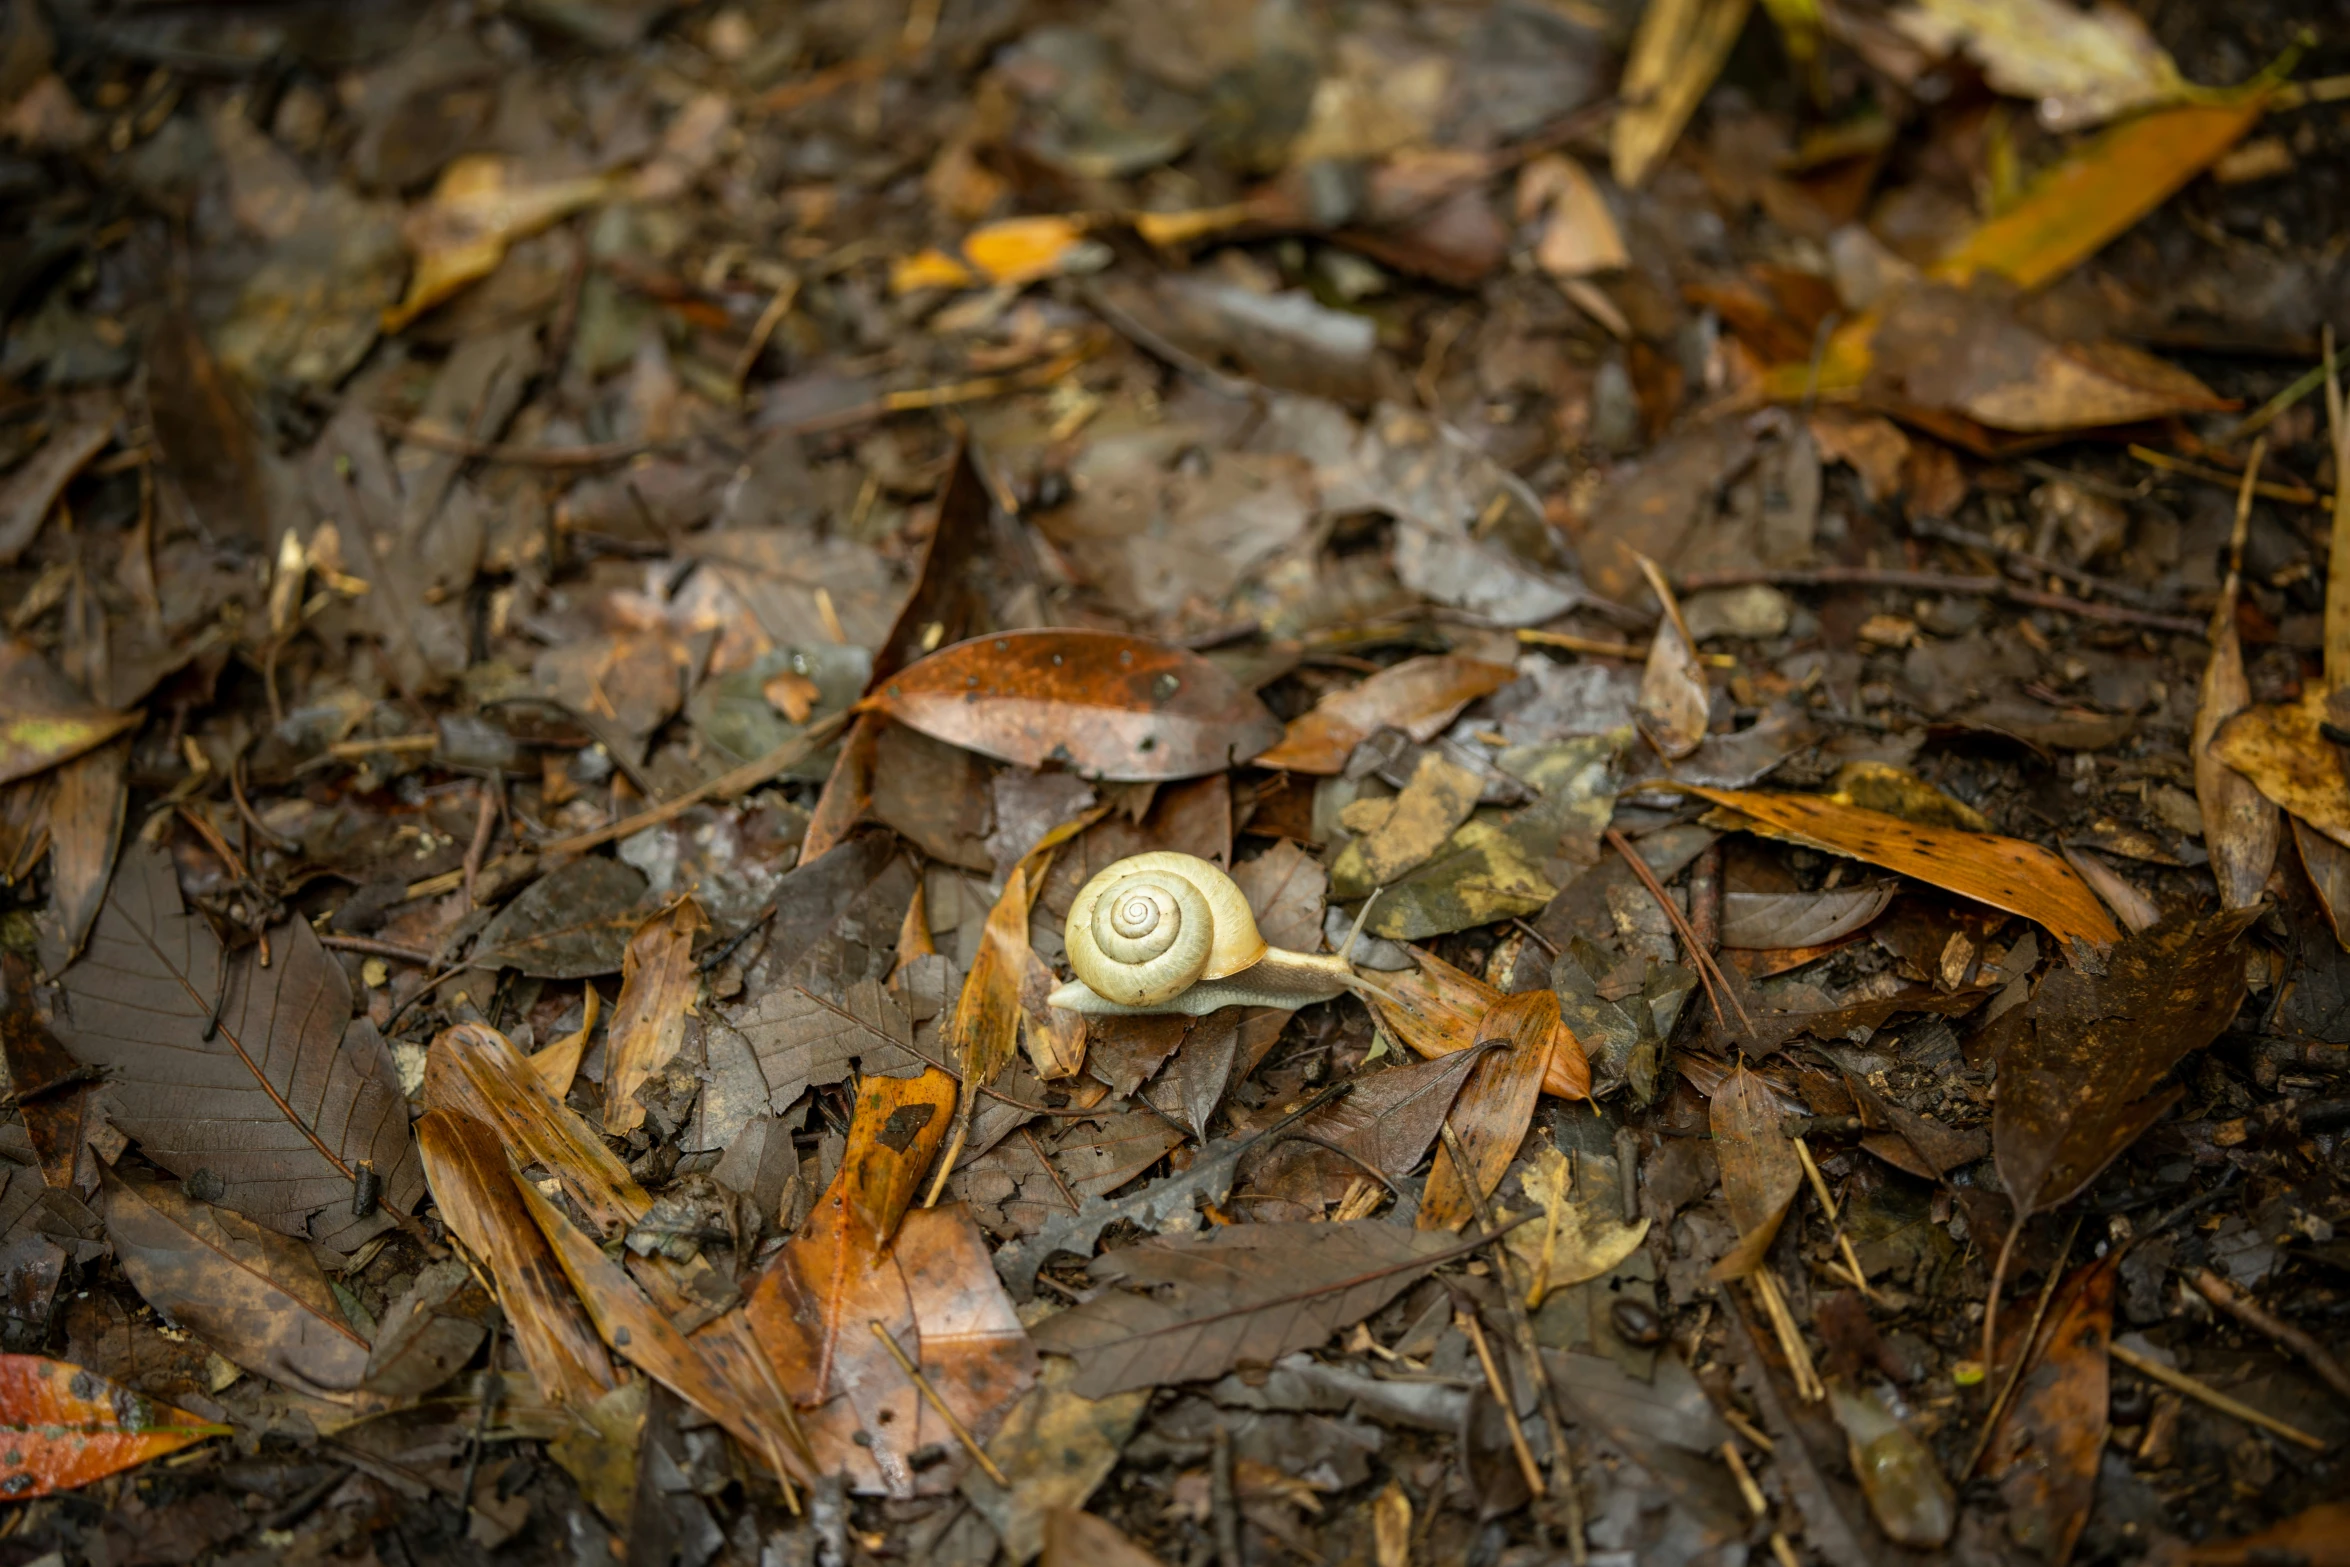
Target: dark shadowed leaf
x,y
1769,920
428,1334
801,1039
2046,1452
1101,703
1246,1292
85,828
255,1296
29,493
44,718
284,1100
62,1427
572,923
1760,1170
1392,1118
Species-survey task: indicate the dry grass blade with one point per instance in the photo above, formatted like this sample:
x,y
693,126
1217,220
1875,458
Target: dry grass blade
x,y
1700,953
2240,827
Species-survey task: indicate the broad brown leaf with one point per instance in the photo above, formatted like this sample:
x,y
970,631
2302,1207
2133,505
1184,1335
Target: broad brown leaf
x,y
572,923
2080,1081
1103,703
44,718
1760,1170
1392,1118
800,1039
1496,1104
1436,1010
467,1165
658,982
2006,873
85,829
255,1296
1243,1292
2046,1452
62,1427
1419,696
474,1070
1079,1539
1054,1447
286,1097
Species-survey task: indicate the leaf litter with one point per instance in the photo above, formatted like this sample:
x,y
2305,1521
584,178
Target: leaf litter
x,y
556,711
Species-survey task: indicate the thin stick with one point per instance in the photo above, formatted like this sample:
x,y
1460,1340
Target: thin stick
x,y
1562,1459
2015,1373
486,820
377,949
2265,415
1765,1284
736,781
770,318
946,1164
1752,1493
1819,1188
2204,1393
1937,582
1037,1149
1707,969
2290,494
1466,1321
1999,1282
930,1396
2253,1315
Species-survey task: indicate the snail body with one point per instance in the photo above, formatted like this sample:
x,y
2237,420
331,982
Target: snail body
x,y
1168,932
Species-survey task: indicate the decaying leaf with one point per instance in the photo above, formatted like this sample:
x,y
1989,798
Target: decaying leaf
x,y
572,923
1760,1170
985,1027
1437,1009
62,1427
2081,1080
1005,254
1248,1292
1578,235
2080,68
1496,1104
466,1162
2047,1450
1674,704
85,830
44,718
28,494
1055,1446
481,204
428,1334
255,1296
2319,1536
1392,1118
1104,704
1079,1539
2006,873
1420,696
1676,55
1581,1233
2281,749
658,982
280,1097
475,1071
1433,805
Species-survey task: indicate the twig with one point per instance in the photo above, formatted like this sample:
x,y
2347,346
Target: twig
x,y
1707,969
492,1385
946,1163
2204,1393
1223,1503
2291,494
2015,1373
2253,1315
377,949
1937,582
2025,560
482,825
1819,1187
733,782
1752,1493
930,1396
1062,1186
1999,1282
1513,1298
1765,1285
762,329
2266,414
1589,647
1467,1322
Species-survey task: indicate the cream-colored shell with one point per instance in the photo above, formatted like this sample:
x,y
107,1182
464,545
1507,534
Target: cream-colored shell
x,y
1162,883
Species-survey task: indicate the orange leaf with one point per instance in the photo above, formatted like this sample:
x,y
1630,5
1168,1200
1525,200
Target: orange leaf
x,y
985,1027
898,1125
1106,704
475,1070
1495,1106
1014,251
1438,1010
62,1426
1420,696
657,984
2006,873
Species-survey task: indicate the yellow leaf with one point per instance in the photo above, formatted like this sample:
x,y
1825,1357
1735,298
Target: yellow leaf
x,y
2006,873
2280,749
1676,55
461,232
2080,68
1015,251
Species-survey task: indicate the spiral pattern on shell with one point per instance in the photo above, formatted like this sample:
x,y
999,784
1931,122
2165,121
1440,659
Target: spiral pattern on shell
x,y
1151,932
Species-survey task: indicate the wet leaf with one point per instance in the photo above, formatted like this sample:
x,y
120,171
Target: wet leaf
x,y
481,204
280,1100
801,1039
1078,1539
2079,68
1676,54
572,923
27,495
558,1063
985,1027
1760,1171
1496,1104
658,983
895,1133
1055,1447
2048,1447
1420,696
1436,1010
1581,1233
255,1296
429,1333
466,1162
1105,704
85,830
2282,751
1911,1501
44,718
63,1427
2007,873
1245,1292
1437,801
2328,866
2081,1081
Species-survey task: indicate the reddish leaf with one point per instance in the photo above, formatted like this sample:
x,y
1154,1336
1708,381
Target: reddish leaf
x,y
61,1427
2047,1449
658,982
1496,1104
1436,1010
1102,703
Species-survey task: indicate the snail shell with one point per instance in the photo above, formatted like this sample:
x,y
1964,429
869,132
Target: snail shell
x,y
1148,928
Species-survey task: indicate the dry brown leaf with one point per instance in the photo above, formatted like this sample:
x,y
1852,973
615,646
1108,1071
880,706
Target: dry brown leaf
x,y
44,717
1578,235
985,1027
2281,750
476,1071
85,829
2328,866
2006,873
1760,1170
466,1164
1436,1009
558,1063
1582,1233
1075,1539
1676,54
658,982
1674,704
1495,1106
2046,1452
1420,696
481,204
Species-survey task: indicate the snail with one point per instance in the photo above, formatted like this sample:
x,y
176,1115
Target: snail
x,y
1168,932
